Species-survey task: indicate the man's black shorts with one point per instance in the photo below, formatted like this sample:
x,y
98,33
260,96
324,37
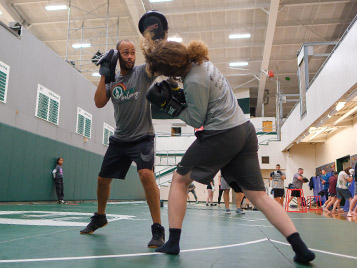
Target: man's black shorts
x,y
278,192
233,151
119,156
295,193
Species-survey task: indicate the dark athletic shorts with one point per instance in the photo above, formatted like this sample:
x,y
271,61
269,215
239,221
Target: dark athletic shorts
x,y
119,156
278,192
343,193
295,193
233,151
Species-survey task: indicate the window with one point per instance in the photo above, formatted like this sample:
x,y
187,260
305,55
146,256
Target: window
x,y
4,80
267,126
175,131
47,105
84,123
107,132
265,159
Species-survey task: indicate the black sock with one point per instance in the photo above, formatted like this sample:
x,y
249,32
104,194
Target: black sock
x,y
172,246
303,254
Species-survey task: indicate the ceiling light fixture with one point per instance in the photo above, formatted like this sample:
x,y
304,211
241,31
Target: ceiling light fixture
x,y
340,105
56,7
322,129
345,115
81,45
96,74
175,39
0,13
238,64
239,36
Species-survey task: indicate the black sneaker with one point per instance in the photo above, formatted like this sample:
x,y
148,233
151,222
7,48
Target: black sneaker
x,y
97,221
158,236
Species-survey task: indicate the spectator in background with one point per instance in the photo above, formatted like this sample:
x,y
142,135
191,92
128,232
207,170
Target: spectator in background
x,y
298,180
277,177
354,200
332,192
344,177
57,174
239,196
191,188
325,182
210,190
220,193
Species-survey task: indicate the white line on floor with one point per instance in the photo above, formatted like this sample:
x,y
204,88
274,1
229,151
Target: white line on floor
x,y
318,250
128,255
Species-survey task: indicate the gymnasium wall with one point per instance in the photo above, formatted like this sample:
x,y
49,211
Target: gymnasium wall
x,y
335,79
29,144
340,143
302,155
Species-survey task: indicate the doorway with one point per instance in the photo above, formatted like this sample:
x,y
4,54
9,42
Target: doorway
x,y
343,162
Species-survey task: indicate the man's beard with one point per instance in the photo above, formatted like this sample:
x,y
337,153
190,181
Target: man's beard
x,y
123,66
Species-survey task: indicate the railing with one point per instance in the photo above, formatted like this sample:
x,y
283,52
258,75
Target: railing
x,y
166,134
170,154
161,173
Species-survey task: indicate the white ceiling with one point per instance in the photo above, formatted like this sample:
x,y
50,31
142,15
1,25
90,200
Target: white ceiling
x,y
297,22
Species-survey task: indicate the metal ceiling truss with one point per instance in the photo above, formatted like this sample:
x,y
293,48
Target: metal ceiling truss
x,y
80,34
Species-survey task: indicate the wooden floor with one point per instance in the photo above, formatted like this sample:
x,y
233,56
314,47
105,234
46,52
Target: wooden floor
x,y
47,235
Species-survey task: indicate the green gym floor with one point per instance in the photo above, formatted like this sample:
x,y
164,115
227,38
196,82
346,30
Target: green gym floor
x,y
47,235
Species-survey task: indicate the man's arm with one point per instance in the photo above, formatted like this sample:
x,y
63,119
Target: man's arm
x,y
100,97
300,178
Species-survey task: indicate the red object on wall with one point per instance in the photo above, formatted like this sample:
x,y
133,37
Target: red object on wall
x,y
270,74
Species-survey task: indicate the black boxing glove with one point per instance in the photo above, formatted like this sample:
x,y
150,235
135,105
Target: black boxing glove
x,y
177,92
107,63
159,94
278,171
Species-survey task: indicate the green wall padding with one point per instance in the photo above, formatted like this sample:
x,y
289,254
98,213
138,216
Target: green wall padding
x,y
244,103
27,160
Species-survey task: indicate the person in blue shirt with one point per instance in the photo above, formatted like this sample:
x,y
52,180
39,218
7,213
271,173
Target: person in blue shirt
x,y
325,182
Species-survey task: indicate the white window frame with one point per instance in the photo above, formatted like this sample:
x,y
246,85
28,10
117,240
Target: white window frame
x,y
86,115
52,96
111,132
6,70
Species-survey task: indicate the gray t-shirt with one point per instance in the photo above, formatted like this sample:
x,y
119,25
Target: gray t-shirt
x,y
58,172
132,111
277,182
210,100
342,180
298,183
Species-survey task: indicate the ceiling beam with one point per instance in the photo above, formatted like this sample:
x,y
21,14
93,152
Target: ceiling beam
x,y
136,10
259,26
65,21
27,2
313,2
273,15
230,28
208,8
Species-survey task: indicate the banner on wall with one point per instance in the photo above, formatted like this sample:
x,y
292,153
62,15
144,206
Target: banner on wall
x,y
330,167
4,80
354,161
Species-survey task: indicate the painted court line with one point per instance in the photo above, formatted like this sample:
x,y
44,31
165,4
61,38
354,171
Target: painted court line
x,y
128,255
318,250
28,237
